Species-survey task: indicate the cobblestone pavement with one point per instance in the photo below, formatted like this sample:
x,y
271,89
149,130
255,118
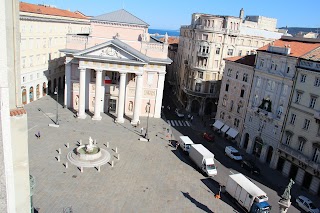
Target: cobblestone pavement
x,y
149,177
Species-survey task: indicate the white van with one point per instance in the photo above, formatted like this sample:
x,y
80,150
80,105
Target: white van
x,y
185,143
232,153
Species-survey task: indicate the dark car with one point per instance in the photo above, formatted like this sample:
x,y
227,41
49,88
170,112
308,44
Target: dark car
x,y
250,166
208,137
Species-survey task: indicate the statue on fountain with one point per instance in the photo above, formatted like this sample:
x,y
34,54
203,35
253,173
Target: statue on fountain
x,y
89,147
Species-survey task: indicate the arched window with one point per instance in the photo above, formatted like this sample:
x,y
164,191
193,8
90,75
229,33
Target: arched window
x,y
24,96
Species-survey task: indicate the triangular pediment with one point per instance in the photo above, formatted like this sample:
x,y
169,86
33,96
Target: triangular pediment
x,y
113,50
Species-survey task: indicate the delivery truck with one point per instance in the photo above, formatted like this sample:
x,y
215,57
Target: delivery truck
x,y
248,195
185,143
203,159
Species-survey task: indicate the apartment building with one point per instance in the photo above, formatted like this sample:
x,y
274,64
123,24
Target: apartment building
x,y
299,149
270,96
43,30
234,95
202,47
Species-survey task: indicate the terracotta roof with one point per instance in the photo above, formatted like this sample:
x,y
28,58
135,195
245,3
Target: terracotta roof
x,y
15,112
298,48
171,40
46,10
246,60
314,55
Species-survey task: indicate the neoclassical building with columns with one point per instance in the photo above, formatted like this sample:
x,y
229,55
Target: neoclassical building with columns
x,y
118,68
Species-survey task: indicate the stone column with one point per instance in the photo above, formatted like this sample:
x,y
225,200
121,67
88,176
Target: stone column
x,y
121,98
97,103
67,85
103,90
137,100
263,155
159,96
82,94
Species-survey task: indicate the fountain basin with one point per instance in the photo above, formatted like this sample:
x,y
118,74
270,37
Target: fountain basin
x,y
84,155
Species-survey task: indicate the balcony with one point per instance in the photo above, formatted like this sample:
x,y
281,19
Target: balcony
x,y
201,94
213,29
203,54
316,115
233,32
299,156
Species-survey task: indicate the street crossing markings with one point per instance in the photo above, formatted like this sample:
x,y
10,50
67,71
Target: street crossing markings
x,y
178,123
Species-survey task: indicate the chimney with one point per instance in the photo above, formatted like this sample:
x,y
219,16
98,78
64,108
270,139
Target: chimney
x,y
241,15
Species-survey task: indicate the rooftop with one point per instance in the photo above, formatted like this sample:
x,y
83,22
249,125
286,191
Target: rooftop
x,y
246,60
298,46
49,10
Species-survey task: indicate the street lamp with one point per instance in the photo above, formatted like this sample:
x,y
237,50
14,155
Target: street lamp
x,y
57,115
148,109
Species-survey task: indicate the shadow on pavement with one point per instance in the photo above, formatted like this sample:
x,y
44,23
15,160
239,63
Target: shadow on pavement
x,y
214,186
195,202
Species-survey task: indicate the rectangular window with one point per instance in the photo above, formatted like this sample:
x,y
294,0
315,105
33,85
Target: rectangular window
x,y
298,97
23,60
198,87
218,50
31,43
205,37
261,62
245,77
301,145
216,63
23,79
212,88
242,93
317,82
288,139
227,87
293,118
240,53
306,124
230,52
312,102
316,155
200,74
303,78
31,61
229,72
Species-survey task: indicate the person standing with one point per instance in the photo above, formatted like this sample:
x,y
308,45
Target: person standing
x,y
39,135
141,130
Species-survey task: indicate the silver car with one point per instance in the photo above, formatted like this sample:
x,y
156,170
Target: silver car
x,y
306,204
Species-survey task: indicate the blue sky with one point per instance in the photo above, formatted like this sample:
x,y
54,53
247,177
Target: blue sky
x,y
171,14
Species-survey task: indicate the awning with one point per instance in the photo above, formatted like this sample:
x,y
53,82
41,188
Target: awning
x,y
218,124
225,128
232,132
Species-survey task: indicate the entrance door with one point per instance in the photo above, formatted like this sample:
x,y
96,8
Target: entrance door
x,y
44,89
246,141
38,91
24,96
112,105
293,172
269,154
195,106
280,164
31,94
307,180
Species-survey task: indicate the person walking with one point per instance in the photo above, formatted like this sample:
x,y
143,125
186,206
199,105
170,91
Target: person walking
x,y
39,135
141,130
177,145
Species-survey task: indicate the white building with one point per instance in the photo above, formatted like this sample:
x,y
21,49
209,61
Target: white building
x,y
43,31
205,43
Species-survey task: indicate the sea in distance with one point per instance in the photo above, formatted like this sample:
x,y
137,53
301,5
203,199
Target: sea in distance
x,y
161,32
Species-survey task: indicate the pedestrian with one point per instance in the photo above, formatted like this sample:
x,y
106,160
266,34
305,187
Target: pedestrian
x,y
39,135
141,130
138,123
177,145
191,119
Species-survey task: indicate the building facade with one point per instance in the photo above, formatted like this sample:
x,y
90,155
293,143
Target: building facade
x,y
299,149
43,31
118,68
270,96
205,43
234,95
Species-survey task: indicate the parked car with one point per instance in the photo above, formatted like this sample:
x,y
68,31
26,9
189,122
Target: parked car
x,y
233,153
180,115
208,137
250,166
306,204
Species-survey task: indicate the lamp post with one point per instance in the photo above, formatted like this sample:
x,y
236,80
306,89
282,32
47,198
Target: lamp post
x,y
57,115
148,109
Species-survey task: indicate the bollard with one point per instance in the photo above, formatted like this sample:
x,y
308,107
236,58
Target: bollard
x,y
66,165
67,145
81,169
118,156
116,149
107,144
58,158
59,150
99,169
111,163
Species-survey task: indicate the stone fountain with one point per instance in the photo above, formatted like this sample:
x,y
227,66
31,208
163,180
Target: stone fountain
x,y
88,155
